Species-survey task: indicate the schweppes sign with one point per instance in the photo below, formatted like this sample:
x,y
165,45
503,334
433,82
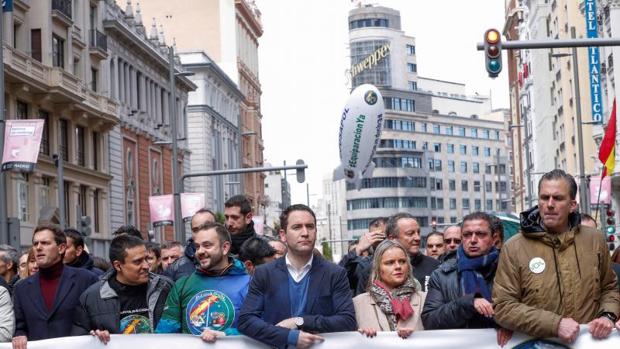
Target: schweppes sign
x,y
372,60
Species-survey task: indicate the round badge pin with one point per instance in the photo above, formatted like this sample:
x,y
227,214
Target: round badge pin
x,y
537,265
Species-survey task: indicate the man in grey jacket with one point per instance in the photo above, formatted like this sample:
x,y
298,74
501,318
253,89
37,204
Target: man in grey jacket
x,y
127,300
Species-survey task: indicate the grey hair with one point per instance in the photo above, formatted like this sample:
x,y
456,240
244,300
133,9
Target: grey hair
x,y
391,228
10,255
383,247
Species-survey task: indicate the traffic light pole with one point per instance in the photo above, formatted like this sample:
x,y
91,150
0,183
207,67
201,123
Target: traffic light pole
x,y
300,167
562,43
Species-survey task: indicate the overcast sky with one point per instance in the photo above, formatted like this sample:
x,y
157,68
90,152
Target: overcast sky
x,y
303,55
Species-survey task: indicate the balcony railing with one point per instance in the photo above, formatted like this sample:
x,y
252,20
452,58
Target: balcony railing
x,y
62,6
98,40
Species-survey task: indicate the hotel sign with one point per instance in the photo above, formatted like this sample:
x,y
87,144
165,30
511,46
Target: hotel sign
x,y
371,61
594,62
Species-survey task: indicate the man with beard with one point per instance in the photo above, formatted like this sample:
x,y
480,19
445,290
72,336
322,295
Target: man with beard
x,y
238,214
404,228
207,302
186,265
556,273
127,300
75,255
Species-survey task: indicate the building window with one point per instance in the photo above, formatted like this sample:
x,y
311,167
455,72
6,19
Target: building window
x,y
489,205
477,186
412,67
452,219
487,151
475,150
80,145
451,167
488,186
485,134
82,201
452,184
58,51
450,148
437,147
155,178
93,76
44,192
463,166
369,22
45,136
476,167
439,204
461,131
63,139
452,204
424,127
130,190
464,185
23,194
436,129
410,50
21,111
463,149
413,86
401,104
474,132
465,204
96,151
477,205
437,164
35,44
96,217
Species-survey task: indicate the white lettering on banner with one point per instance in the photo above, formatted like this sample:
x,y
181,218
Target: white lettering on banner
x,y
480,339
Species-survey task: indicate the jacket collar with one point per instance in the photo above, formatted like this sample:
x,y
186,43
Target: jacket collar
x,y
106,291
532,227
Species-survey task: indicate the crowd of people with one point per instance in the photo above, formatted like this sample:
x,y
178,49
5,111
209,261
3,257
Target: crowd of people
x,y
227,280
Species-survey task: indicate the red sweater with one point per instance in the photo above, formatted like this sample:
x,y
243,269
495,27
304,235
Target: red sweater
x,y
49,281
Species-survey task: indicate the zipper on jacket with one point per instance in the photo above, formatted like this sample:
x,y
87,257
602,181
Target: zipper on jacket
x,y
557,274
577,258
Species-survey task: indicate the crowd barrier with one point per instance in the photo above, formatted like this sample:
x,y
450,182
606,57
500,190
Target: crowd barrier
x,y
480,339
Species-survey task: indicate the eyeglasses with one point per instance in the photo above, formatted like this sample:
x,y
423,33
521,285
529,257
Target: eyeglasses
x,y
452,240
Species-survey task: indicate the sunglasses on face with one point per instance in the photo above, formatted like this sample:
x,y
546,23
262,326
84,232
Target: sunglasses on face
x,y
452,240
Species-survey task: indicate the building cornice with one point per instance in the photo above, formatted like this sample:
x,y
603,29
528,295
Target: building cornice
x,y
203,108
217,71
248,14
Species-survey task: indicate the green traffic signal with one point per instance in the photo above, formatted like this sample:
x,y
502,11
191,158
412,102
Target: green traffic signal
x,y
494,66
611,230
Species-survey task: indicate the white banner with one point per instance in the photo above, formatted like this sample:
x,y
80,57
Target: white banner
x,y
479,339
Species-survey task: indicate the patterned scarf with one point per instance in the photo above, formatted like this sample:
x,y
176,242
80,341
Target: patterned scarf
x,y
472,280
396,305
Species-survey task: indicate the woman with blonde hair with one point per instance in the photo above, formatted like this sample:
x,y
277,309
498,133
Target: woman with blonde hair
x,y
394,300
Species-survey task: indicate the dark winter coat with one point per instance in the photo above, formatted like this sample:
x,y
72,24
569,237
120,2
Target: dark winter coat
x,y
183,266
99,307
446,307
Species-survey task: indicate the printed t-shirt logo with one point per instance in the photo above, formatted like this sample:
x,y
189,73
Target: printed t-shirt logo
x,y
135,324
209,309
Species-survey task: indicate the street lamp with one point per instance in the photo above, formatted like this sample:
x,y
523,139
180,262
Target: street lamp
x,y
583,195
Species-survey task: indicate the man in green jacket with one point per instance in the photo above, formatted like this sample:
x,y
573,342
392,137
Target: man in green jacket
x,y
556,273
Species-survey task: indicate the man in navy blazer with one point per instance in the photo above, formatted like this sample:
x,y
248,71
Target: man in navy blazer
x,y
45,302
293,298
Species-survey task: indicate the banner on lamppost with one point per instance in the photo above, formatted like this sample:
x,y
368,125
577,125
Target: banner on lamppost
x,y
190,204
605,191
594,62
162,210
22,140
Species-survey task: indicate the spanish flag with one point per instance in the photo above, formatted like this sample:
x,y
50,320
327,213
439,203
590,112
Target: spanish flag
x,y
607,152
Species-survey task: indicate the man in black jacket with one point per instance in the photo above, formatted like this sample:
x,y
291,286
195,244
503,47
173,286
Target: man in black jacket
x,y
127,300
459,292
404,228
75,254
186,265
238,214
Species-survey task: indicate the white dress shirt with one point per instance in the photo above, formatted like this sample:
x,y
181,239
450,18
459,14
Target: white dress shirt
x,y
296,274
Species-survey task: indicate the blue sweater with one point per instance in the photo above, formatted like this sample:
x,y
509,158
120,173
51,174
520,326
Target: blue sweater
x,y
298,296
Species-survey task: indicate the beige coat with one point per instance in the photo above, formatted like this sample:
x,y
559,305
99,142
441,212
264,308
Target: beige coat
x,y
368,314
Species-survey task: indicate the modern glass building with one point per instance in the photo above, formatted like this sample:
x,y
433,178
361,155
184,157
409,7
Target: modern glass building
x,y
442,153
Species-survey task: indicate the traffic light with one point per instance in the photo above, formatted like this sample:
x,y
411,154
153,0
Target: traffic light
x,y
434,225
84,226
611,222
301,173
493,52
